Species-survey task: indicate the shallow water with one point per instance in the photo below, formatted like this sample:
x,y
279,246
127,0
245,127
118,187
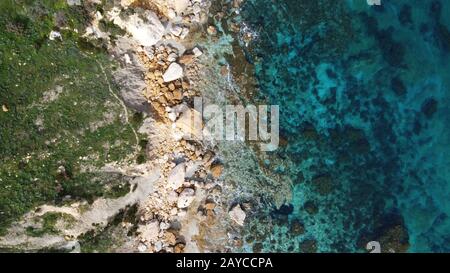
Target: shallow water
x,y
363,95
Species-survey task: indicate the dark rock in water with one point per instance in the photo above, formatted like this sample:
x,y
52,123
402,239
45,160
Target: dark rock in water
x,y
311,207
309,132
398,86
405,16
323,184
436,10
257,247
391,233
308,246
429,108
371,23
296,228
352,138
443,37
284,209
331,74
393,52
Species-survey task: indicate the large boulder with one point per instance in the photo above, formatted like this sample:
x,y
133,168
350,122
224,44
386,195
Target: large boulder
x,y
179,5
174,72
131,81
237,215
185,199
146,29
176,176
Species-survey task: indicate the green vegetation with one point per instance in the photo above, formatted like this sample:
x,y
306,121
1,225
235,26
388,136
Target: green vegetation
x,y
49,220
105,240
61,122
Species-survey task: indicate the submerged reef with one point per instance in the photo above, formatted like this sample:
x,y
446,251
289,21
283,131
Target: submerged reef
x,y
362,92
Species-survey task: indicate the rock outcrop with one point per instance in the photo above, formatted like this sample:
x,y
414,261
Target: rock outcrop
x,y
174,72
237,215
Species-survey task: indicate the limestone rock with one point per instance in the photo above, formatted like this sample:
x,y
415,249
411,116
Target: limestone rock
x,y
149,232
54,35
126,3
132,83
142,247
197,52
176,30
147,31
176,176
74,2
174,72
186,197
179,5
237,215
172,116
171,14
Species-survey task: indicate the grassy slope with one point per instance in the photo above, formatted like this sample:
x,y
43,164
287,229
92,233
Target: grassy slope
x,y
30,65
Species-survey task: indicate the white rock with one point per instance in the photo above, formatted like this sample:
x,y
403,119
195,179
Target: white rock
x,y
98,15
174,72
196,9
192,167
146,32
127,59
172,116
180,5
176,176
149,232
74,2
173,211
158,246
186,197
176,30
172,197
171,14
196,18
184,33
164,226
172,57
237,215
142,247
54,35
197,52
126,3
149,52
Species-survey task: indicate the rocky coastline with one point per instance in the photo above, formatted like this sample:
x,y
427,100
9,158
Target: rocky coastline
x,y
178,192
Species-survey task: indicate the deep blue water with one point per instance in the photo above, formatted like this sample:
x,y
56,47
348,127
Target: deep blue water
x,y
364,94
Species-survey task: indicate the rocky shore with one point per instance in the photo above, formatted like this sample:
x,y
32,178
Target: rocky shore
x,y
178,189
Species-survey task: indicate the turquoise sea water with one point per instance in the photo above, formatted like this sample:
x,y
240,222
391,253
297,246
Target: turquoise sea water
x,y
363,94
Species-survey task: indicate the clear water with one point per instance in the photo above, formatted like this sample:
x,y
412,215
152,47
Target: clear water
x,y
364,94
